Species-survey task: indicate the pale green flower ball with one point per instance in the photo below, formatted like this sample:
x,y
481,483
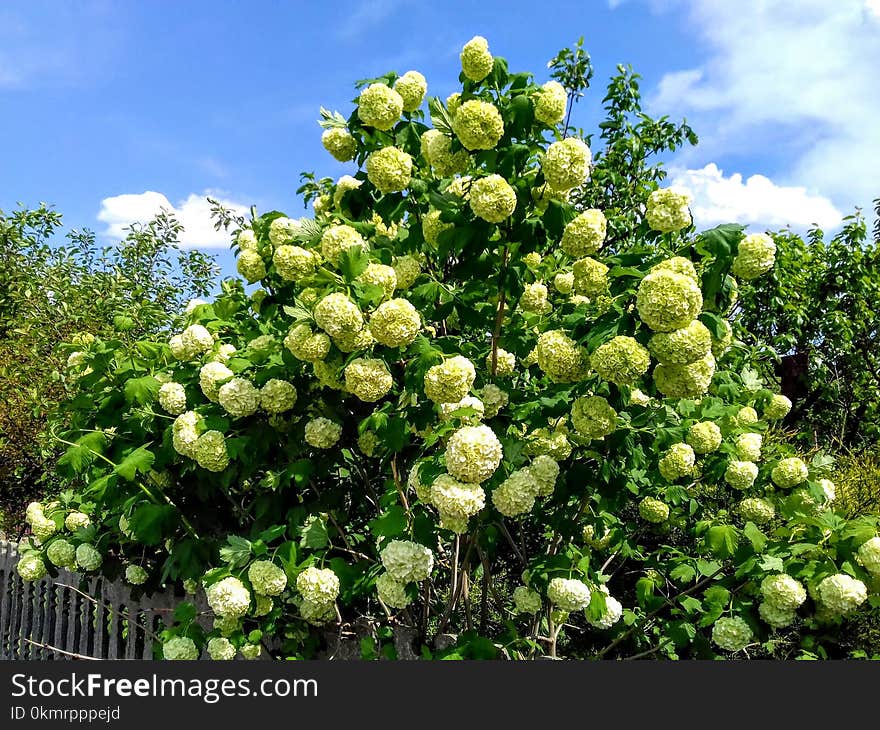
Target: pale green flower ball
x,y
368,442
251,265
61,553
229,597
682,346
432,227
437,150
339,143
777,408
775,616
741,474
247,240
566,164
407,561
746,416
412,88
456,501
306,345
756,256
653,510
197,339
392,592
267,578
337,239
178,350
667,210
180,648
317,614
543,442
704,437
407,269
610,616
337,315
453,101
277,396
390,169
172,398
783,591
621,360
868,556
448,409
841,594
550,103
722,344
239,397
136,575
568,594
227,625
211,376
210,452
534,299
251,651
476,61
87,557
224,352
263,605
450,380
505,362
318,585
585,235
380,106
668,301
748,446
678,264
327,374
395,323
516,494
590,277
561,358
31,567
563,282
732,634
532,259
478,125
322,433
185,432
685,381
593,417
368,379
294,263
380,275
322,204
789,473
283,230
492,198
351,341
220,649
638,398
76,521
414,482
525,600
758,510
43,528
473,453
545,471
677,462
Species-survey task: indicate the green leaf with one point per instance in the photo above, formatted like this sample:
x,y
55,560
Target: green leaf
x,y
237,551
352,262
185,612
84,452
390,523
141,391
772,564
138,461
149,521
314,533
722,540
682,573
755,536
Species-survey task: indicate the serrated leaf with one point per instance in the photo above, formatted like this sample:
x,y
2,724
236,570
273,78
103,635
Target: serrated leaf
x,y
138,461
236,552
722,540
314,532
440,116
390,523
330,120
755,536
141,391
148,522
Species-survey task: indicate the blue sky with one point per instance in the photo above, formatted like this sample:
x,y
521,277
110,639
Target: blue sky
x,y
109,109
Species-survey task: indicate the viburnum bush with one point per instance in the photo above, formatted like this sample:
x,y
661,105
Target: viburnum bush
x,y
452,402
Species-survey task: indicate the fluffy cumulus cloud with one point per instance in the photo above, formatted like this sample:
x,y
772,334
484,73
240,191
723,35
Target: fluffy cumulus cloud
x,y
787,88
194,213
756,200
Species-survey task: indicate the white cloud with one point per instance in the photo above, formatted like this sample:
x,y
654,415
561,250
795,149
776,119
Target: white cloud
x,y
788,86
756,200
120,211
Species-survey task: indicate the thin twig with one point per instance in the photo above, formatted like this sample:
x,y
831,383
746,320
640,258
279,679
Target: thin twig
x,y
110,608
65,653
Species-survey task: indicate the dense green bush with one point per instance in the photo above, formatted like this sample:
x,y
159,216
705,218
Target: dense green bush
x,y
451,402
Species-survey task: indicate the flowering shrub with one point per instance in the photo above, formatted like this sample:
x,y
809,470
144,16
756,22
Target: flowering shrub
x,y
404,421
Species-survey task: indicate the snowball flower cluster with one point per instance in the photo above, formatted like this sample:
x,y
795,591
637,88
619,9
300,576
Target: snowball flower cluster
x,y
251,265
505,362
534,299
407,561
185,432
389,169
590,277
412,87
841,594
789,473
267,578
525,600
211,376
783,592
682,346
732,633
584,235
545,472
228,597
566,164
668,301
319,586
685,381
777,408
667,210
493,400
87,557
437,150
337,239
322,433
568,594
756,509
492,198
473,453
516,494
209,451
450,380
337,315
756,256
76,521
704,437
550,102
560,357
563,282
31,567
283,230
407,270
868,556
476,61
239,397
741,474
180,648
194,341
456,501
775,616
381,276
61,553
610,615
748,446
277,396
172,398
746,416
340,143
136,575
294,263
380,106
221,649
392,592
478,125
621,360
677,462
395,323
593,417
307,345
368,379
448,409
653,510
